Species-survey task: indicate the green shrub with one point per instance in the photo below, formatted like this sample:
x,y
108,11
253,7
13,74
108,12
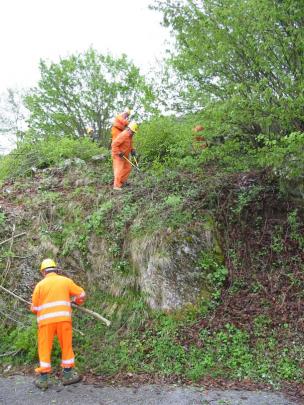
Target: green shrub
x,y
96,219
44,153
285,156
163,137
21,339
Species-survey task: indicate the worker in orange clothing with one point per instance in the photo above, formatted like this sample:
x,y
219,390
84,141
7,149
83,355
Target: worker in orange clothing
x,y
51,301
120,123
122,147
199,140
93,136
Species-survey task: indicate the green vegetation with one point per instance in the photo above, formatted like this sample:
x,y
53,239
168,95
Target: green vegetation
x,y
85,90
162,349
185,343
32,155
233,211
247,77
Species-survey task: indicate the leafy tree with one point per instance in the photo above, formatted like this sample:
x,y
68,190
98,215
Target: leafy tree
x,y
245,56
12,116
86,90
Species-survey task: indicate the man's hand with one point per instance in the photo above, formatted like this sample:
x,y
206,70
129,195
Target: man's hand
x,y
79,301
133,152
121,154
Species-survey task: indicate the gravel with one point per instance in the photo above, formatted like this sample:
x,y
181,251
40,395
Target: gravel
x,y
21,390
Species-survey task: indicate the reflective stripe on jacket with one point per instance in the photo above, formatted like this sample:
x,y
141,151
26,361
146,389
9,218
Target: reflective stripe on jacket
x,y
51,299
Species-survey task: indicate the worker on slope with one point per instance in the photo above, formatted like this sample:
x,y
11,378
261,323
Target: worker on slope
x,y
51,301
92,135
199,140
120,123
122,147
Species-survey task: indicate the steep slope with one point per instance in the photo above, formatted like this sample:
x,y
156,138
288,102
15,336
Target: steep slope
x,y
201,272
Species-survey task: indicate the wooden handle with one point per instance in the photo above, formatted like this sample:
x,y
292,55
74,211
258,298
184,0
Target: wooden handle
x,y
95,314
87,311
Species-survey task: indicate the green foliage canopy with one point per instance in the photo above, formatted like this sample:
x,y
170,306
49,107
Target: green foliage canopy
x,y
247,56
86,90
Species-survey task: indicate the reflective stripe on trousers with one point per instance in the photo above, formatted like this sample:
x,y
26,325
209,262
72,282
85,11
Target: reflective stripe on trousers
x,y
46,334
70,361
44,364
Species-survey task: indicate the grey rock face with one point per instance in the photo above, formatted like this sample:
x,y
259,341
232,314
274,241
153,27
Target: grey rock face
x,y
169,274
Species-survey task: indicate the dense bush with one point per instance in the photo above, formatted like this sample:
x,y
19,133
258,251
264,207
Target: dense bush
x,y
286,155
41,154
164,137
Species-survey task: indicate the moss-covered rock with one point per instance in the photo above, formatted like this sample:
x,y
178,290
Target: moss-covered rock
x,y
168,264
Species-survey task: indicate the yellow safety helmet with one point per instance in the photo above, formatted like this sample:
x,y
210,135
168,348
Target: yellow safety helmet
x,y
133,126
47,264
90,130
127,111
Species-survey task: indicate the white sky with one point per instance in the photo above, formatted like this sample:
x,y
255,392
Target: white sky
x,y
31,30
49,29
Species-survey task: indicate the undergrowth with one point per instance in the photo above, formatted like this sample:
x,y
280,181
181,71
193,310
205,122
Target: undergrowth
x,y
249,328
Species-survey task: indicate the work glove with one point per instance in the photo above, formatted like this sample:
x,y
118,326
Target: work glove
x,y
78,300
121,154
133,153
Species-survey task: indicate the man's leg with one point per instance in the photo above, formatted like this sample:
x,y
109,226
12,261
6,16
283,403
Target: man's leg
x,y
45,342
64,333
126,170
118,166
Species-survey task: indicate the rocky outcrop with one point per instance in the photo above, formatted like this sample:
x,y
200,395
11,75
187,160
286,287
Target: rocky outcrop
x,y
168,265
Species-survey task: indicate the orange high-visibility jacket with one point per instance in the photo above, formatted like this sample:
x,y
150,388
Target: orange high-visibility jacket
x,y
51,300
123,143
119,124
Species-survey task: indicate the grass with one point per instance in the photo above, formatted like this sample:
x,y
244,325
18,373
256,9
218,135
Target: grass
x,y
245,329
162,349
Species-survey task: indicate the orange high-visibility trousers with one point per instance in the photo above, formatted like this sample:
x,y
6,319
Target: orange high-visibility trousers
x,y
46,334
121,169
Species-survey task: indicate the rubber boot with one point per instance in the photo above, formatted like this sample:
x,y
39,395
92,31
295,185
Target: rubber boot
x,y
70,377
42,381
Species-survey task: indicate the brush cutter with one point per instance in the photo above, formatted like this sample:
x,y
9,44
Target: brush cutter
x,y
134,165
86,310
135,160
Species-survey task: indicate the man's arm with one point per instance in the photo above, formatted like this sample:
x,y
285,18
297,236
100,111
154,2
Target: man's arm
x,y
35,300
123,122
77,293
116,144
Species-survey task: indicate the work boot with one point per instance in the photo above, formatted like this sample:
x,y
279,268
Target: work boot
x,y
117,188
70,377
42,381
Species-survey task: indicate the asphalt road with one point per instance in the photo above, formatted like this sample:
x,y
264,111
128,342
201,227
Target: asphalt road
x,y
21,390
